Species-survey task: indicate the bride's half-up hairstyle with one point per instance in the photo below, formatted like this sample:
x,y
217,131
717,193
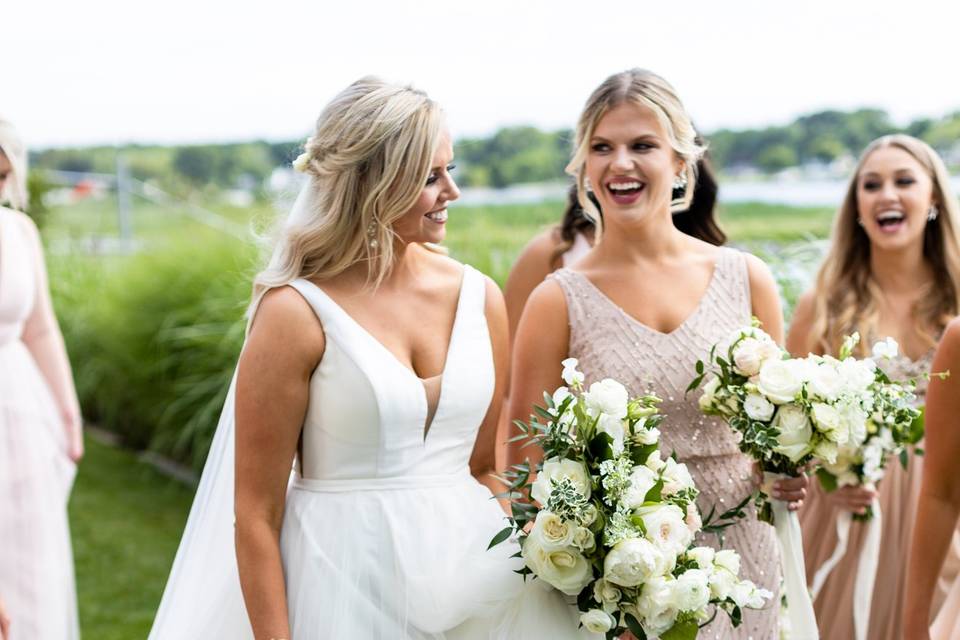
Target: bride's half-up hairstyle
x,y
649,90
366,164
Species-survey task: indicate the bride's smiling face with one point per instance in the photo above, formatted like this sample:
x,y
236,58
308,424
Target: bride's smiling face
x,y
426,220
631,165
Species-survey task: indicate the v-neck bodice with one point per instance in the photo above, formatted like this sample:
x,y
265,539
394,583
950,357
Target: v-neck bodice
x,y
368,411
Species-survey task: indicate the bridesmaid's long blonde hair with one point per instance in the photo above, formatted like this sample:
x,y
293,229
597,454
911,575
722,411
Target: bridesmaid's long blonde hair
x,y
847,293
367,163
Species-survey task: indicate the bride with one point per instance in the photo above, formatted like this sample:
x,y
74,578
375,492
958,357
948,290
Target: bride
x,y
373,365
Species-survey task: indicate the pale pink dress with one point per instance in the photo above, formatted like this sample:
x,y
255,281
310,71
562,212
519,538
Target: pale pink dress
x,y
36,563
609,343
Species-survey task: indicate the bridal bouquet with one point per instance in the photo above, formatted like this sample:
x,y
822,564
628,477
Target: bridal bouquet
x,y
882,421
612,522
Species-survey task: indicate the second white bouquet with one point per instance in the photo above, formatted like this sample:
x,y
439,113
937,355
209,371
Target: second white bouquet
x,y
611,522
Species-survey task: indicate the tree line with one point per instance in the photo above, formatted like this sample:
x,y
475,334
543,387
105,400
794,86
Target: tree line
x,y
514,155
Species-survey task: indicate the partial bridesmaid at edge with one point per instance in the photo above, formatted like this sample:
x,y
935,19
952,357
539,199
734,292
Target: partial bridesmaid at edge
x,y
649,301
938,505
892,270
374,365
40,425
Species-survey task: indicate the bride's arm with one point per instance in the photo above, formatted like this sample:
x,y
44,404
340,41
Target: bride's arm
x,y
284,347
541,343
939,503
483,459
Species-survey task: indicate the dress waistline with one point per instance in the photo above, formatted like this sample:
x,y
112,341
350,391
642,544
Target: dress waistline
x,y
342,485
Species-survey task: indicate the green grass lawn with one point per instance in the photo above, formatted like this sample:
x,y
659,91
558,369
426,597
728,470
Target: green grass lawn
x,y
126,520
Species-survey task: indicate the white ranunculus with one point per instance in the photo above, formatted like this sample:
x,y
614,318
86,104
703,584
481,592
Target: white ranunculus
x,y
779,381
666,527
654,605
596,621
829,422
607,396
607,594
703,556
570,374
654,461
757,407
887,348
564,569
727,559
553,531
633,561
613,427
642,480
676,477
555,469
693,520
795,432
691,590
747,595
826,382
721,583
858,375
709,393
747,357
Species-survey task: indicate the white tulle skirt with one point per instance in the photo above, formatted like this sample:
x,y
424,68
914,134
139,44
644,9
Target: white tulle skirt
x,y
36,561
407,558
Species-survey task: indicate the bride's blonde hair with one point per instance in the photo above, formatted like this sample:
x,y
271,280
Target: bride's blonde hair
x,y
847,293
647,89
366,164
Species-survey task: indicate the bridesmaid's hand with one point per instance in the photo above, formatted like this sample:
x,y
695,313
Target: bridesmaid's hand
x,y
791,490
850,498
4,622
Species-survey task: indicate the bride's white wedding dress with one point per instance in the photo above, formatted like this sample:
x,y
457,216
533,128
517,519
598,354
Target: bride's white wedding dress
x,y
385,531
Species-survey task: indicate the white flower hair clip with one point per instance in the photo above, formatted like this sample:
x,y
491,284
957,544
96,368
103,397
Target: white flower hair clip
x,y
302,162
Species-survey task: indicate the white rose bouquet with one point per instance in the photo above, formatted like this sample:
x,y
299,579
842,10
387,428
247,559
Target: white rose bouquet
x,y
609,521
880,417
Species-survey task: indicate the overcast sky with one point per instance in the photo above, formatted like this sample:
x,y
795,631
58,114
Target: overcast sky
x,y
112,71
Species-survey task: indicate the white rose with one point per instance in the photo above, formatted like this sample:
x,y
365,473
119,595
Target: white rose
x,y
596,621
709,393
570,374
642,480
691,591
795,432
826,451
747,357
584,540
758,407
654,605
769,350
553,531
654,461
676,477
855,421
779,381
590,514
632,561
613,427
607,396
828,422
666,528
727,559
826,382
887,348
703,556
607,594
565,569
693,520
555,469
858,375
